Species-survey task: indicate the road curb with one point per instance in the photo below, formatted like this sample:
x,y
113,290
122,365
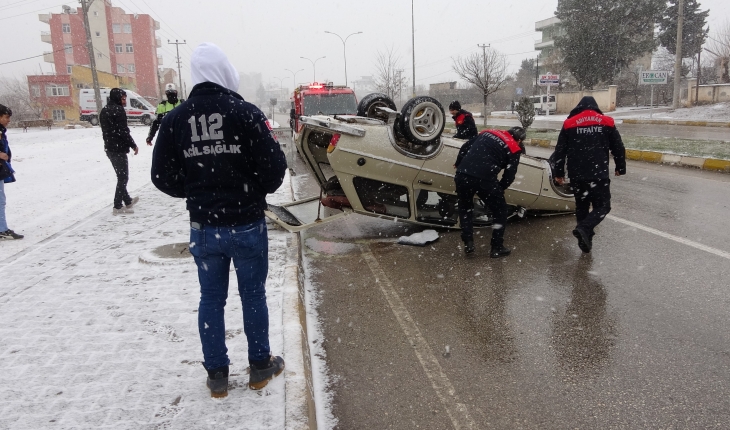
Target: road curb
x,y
712,164
674,122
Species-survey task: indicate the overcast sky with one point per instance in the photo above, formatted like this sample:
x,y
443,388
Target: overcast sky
x,y
271,36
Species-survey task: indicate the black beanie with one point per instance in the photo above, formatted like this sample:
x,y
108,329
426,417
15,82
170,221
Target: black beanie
x,y
455,105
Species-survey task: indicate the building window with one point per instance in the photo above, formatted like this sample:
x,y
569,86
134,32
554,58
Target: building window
x,y
118,48
128,28
131,68
96,13
99,55
80,86
68,70
68,48
116,28
35,90
56,90
130,48
120,68
66,28
98,34
59,114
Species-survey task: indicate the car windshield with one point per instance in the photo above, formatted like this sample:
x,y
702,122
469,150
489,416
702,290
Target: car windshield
x,y
330,104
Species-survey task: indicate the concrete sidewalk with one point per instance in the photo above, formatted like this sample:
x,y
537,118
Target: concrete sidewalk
x,y
98,331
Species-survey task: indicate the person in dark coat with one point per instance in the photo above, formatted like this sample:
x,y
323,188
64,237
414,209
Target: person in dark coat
x,y
6,172
117,143
585,140
217,151
466,128
162,109
479,162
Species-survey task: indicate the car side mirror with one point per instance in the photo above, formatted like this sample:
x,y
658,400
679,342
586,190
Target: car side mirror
x,y
292,114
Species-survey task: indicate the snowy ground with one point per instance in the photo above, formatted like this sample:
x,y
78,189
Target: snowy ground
x,y
92,337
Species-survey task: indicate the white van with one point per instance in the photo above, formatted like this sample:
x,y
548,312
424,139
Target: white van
x,y
137,108
543,103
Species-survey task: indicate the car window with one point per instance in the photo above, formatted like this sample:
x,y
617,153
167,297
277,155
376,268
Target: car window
x,y
136,104
330,104
382,198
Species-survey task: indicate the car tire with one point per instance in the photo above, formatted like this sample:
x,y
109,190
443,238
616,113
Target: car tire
x,y
94,120
422,120
146,120
369,104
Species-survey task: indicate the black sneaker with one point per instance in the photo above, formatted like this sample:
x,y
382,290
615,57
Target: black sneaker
x,y
499,251
218,382
260,376
469,246
10,235
585,242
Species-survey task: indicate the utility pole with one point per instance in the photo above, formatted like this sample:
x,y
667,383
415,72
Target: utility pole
x,y
678,59
413,47
92,57
400,86
699,74
177,49
486,78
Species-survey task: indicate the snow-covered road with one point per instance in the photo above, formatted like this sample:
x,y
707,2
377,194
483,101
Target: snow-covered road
x,y
92,336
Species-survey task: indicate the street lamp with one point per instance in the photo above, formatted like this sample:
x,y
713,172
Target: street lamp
x,y
344,51
280,81
314,67
294,75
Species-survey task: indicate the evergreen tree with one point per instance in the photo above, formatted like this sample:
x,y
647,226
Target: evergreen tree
x,y
601,37
694,33
525,112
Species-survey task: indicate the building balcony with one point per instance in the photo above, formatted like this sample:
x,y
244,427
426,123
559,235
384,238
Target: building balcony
x,y
46,37
159,60
544,44
44,17
545,23
156,24
48,57
158,41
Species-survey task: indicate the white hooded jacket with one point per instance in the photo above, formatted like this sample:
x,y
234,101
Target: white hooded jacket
x,y
210,64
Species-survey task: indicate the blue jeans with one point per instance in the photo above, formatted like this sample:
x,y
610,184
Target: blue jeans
x,y
213,249
3,220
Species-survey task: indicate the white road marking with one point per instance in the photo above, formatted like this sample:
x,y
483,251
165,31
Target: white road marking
x,y
715,251
446,392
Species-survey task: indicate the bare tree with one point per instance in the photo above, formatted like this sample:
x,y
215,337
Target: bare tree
x,y
719,46
390,78
486,71
14,94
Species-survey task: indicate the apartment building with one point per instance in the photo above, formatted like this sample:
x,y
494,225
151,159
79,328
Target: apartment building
x,y
124,44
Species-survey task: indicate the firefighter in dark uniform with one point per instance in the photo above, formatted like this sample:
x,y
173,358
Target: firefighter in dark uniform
x,y
466,128
162,109
479,162
585,140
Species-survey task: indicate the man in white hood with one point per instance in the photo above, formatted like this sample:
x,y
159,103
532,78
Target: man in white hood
x,y
217,151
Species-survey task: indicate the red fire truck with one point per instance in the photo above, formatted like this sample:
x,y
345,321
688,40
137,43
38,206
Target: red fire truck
x,y
320,98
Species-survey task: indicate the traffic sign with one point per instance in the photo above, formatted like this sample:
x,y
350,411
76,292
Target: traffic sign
x,y
549,79
653,77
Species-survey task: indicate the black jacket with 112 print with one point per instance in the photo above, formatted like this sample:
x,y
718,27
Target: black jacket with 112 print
x,y
487,154
217,150
585,140
113,121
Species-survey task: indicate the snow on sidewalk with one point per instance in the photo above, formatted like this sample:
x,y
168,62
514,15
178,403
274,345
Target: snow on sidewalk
x,y
94,338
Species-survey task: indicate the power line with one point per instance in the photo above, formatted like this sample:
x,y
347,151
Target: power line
x,y
36,56
11,5
26,13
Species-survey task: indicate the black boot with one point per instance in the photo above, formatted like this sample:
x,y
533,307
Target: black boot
x,y
499,251
469,246
585,240
262,373
218,382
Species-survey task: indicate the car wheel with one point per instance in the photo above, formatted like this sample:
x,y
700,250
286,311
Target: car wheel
x,y
94,120
422,120
146,120
369,104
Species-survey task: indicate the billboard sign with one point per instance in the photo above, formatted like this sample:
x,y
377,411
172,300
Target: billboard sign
x,y
549,79
653,77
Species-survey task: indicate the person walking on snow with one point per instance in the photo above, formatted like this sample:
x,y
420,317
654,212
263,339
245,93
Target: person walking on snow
x,y
466,128
585,140
6,172
479,162
117,143
162,109
216,150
